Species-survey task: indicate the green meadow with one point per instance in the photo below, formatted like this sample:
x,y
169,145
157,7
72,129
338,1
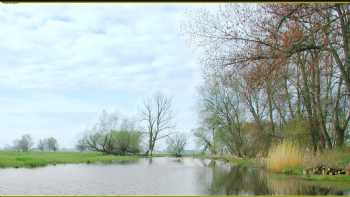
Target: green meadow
x,y
36,159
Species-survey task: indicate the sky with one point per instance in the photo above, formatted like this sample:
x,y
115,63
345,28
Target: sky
x,y
62,64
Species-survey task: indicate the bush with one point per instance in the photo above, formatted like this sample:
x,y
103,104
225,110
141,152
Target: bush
x,y
297,130
286,156
111,137
119,142
126,142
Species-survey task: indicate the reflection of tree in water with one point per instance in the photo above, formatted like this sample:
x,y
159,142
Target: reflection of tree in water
x,y
127,162
237,180
150,161
178,160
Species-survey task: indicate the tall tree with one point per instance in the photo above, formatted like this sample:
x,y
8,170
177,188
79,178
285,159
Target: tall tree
x,y
157,115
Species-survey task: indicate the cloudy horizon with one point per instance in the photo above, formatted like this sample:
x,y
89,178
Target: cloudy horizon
x,y
63,64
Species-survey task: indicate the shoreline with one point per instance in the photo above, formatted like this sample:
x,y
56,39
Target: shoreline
x,y
13,159
295,173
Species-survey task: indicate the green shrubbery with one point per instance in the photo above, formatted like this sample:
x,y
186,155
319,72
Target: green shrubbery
x,y
111,136
118,142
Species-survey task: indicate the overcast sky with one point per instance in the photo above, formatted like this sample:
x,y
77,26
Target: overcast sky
x,y
62,64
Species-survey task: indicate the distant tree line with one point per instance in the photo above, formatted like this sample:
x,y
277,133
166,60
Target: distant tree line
x,y
48,144
25,144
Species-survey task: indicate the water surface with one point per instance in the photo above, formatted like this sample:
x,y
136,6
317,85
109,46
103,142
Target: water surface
x,y
157,176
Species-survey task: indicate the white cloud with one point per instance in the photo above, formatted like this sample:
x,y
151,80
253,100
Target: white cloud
x,y
81,58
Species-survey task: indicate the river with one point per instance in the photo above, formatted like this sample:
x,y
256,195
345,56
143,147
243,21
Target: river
x,y
157,176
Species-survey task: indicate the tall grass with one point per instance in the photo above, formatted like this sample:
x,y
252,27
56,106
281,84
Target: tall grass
x,y
284,157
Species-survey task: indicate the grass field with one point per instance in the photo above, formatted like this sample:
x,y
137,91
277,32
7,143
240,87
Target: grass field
x,y
36,159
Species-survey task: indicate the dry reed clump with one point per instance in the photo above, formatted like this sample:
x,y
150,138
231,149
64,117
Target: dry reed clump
x,y
284,157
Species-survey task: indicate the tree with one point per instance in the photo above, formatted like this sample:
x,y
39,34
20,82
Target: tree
x,y
52,144
157,115
293,64
205,139
48,144
25,143
41,145
176,144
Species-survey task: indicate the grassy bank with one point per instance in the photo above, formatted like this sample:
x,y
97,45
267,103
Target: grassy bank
x,y
36,159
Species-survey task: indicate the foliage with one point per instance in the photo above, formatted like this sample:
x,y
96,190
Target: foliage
x,y
296,130
125,142
109,137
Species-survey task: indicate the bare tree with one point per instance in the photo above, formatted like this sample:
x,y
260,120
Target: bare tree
x,y
158,117
177,143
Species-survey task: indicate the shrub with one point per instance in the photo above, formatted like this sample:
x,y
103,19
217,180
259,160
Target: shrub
x,y
126,142
118,142
110,137
297,130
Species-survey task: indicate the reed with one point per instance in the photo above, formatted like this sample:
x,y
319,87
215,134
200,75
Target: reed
x,y
284,157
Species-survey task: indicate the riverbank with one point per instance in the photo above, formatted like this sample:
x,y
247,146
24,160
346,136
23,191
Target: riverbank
x,y
36,159
336,159
13,159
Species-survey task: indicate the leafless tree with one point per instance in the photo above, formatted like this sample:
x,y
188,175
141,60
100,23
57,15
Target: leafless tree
x,y
176,144
158,117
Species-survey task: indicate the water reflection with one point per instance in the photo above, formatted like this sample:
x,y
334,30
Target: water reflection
x,y
239,180
150,160
157,176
